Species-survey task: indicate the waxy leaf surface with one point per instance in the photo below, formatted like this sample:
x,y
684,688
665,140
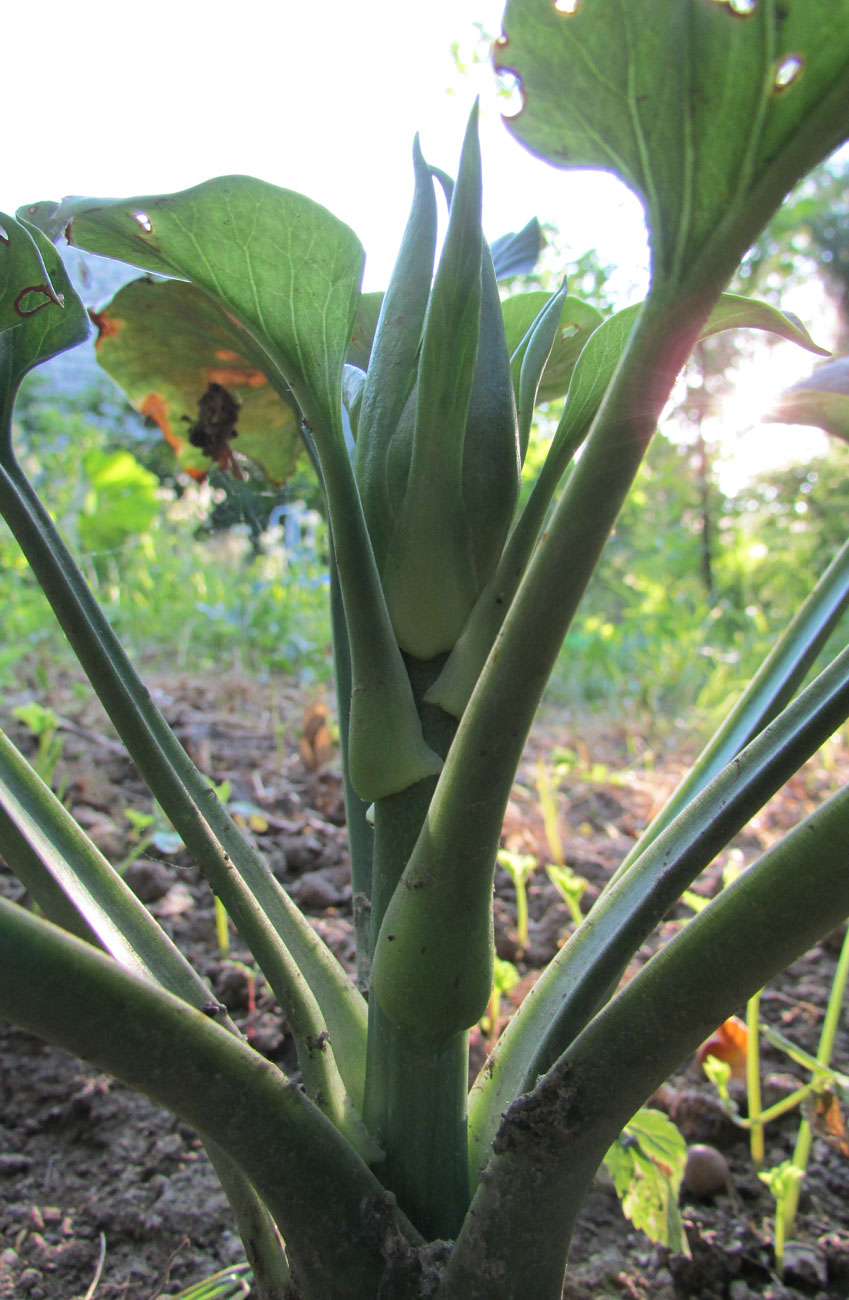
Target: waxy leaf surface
x,y
40,313
286,268
577,321
710,110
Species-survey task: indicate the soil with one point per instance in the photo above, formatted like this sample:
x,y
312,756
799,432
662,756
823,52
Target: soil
x,y
103,1196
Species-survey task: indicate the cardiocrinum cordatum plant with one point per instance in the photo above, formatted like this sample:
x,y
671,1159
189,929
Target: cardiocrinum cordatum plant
x,y
376,1172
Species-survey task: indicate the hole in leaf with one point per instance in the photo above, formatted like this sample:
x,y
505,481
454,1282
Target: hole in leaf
x,y
742,8
510,93
34,297
569,331
787,72
4,234
143,220
567,6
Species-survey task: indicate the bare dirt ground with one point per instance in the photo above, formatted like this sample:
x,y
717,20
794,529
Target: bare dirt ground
x,y
105,1197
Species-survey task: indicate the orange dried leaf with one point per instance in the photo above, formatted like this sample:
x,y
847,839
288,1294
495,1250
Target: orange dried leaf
x,y
316,743
230,377
108,327
730,1044
828,1121
155,407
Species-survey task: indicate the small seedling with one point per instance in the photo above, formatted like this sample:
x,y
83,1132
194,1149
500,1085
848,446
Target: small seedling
x,y
519,867
227,1284
647,1164
547,791
791,1189
735,1042
505,977
43,722
571,887
783,1181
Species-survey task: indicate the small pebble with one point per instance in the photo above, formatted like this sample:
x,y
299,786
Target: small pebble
x,y
706,1171
318,889
149,879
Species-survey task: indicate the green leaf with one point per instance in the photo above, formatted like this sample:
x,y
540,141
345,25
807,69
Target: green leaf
x,y
591,374
647,1164
289,272
821,400
735,311
362,333
25,287
599,359
491,450
710,111
394,355
120,499
517,253
165,342
40,313
286,268
578,319
429,573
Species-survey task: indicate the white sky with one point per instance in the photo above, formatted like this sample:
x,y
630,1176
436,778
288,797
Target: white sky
x,y
108,98
323,97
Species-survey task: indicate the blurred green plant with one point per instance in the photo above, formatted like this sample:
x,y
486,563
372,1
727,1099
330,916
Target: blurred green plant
x,y
43,722
167,578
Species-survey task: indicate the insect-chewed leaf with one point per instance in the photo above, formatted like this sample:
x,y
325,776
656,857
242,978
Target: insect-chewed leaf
x,y
165,343
578,319
647,1164
285,267
40,313
709,109
25,287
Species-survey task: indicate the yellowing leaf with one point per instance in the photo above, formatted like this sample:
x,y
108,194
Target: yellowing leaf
x,y
166,343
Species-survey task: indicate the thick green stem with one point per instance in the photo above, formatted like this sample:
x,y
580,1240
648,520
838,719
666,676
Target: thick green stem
x,y
553,1139
263,1248
79,890
587,969
434,948
416,1089
360,833
335,1217
303,973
